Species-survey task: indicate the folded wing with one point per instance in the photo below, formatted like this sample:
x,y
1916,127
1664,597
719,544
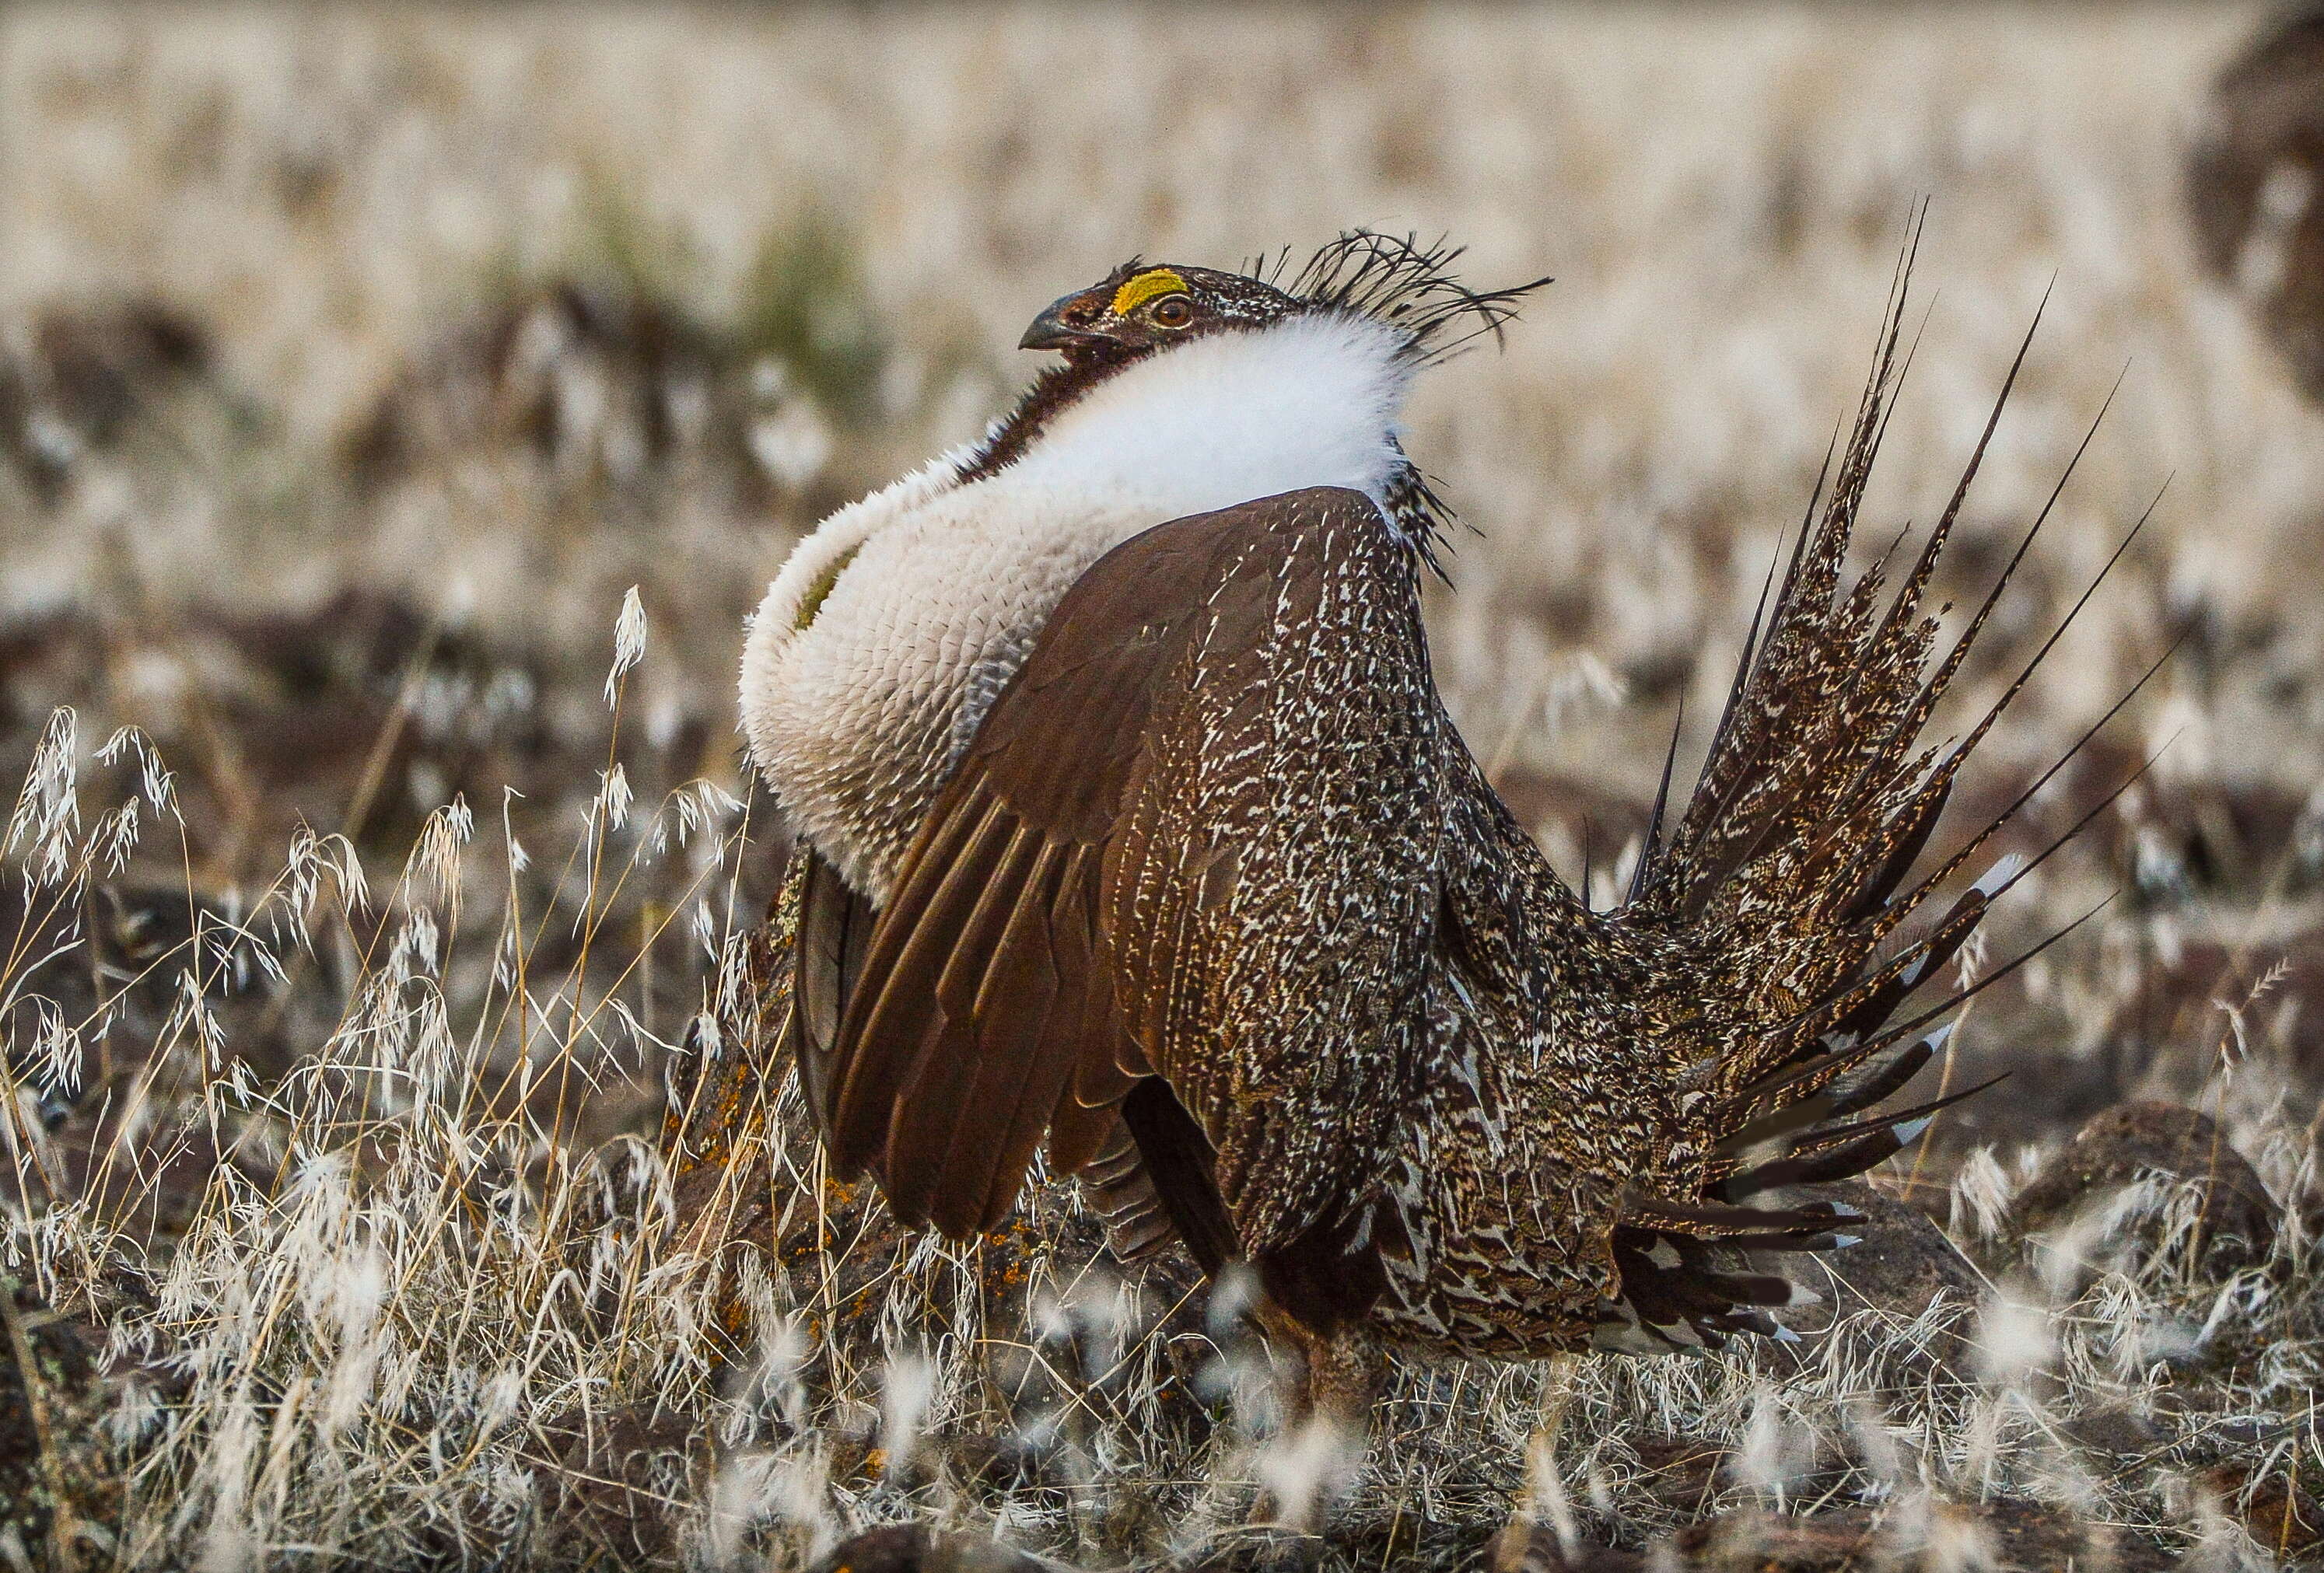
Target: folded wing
x,y
1189,866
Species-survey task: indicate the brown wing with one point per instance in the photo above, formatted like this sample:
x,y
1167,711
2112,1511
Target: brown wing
x,y
1195,838
834,928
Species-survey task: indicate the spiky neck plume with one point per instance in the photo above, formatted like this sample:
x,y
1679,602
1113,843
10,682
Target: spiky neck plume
x,y
1405,289
1408,286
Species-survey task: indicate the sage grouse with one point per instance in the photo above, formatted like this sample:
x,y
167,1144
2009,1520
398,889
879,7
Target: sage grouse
x,y
1134,832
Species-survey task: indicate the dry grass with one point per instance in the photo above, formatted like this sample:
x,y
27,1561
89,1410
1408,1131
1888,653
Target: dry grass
x,y
414,1320
340,1117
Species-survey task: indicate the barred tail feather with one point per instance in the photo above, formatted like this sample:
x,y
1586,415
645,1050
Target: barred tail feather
x,y
1795,859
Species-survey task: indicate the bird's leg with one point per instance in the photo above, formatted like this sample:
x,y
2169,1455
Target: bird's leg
x,y
1327,1421
1512,1548
1345,1370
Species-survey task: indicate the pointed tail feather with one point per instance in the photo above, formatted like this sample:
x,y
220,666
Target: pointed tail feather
x,y
1793,862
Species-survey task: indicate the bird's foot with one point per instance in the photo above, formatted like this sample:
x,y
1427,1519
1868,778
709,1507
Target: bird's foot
x,y
1310,1464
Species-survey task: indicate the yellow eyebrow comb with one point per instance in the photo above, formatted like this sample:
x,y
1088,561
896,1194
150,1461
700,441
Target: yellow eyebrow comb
x,y
1145,287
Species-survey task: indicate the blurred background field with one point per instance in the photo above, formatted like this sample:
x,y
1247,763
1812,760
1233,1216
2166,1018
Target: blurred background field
x,y
355,362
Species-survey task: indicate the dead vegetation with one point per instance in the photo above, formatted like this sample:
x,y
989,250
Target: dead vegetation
x,y
394,1171
428,1294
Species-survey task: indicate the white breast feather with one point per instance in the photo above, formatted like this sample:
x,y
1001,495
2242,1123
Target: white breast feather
x,y
857,721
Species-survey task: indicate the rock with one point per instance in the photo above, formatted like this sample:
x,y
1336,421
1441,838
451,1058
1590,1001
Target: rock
x,y
1532,1548
614,1475
1752,1539
2177,1002
2116,1430
1901,1266
1901,1263
2137,1141
1683,1471
602,382
60,1491
77,380
2252,187
593,377
2001,1537
917,1549
2282,1517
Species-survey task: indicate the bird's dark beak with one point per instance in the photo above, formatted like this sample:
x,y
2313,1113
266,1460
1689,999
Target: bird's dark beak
x,y
1054,329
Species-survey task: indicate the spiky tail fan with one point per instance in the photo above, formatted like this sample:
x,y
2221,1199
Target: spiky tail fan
x,y
1816,801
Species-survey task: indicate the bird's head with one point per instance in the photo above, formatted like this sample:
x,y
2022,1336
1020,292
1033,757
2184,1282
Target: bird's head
x,y
1142,310
1137,309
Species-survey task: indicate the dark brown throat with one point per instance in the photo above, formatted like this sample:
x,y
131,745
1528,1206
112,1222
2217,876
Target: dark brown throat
x,y
1056,388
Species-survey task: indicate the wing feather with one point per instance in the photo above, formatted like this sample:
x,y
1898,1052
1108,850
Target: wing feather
x,y
900,970
1097,904
835,927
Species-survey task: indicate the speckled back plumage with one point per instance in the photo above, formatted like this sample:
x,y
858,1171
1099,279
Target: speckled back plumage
x,y
1622,1100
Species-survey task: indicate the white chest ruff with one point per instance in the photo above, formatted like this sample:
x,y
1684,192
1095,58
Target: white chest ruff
x,y
861,692
857,720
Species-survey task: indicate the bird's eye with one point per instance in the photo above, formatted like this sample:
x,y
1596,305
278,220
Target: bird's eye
x,y
1173,311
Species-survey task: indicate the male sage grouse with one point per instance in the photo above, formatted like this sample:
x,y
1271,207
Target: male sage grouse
x,y
1134,832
